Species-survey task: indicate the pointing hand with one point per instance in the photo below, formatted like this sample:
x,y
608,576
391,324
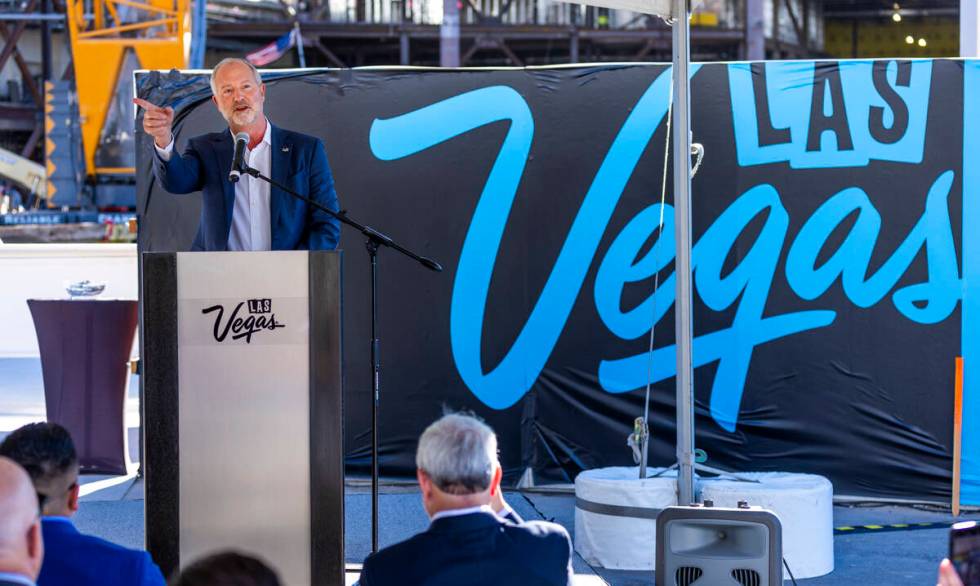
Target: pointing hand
x,y
157,122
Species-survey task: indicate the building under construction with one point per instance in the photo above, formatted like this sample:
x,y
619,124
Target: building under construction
x,y
66,65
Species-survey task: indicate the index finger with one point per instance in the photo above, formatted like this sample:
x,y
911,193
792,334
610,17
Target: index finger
x,y
948,575
147,105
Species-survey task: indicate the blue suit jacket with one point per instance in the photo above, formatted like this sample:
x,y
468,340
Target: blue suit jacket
x,y
298,161
476,549
74,559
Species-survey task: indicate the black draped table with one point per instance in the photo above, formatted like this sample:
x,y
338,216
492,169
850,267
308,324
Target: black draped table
x,y
85,348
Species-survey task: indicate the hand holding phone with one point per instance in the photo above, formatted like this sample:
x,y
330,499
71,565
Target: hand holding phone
x,y
964,553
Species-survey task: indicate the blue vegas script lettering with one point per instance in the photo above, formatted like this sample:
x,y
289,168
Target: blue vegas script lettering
x,y
747,285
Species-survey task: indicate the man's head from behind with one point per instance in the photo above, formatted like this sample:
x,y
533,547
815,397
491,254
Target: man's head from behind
x,y
457,464
21,548
47,452
227,568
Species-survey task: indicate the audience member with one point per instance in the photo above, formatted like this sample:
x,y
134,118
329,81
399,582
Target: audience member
x,y
466,543
47,452
21,549
227,568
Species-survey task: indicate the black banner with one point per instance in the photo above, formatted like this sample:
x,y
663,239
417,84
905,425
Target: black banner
x,y
827,225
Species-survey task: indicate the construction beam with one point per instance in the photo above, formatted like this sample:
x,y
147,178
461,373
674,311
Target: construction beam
x,y
801,40
855,38
969,28
16,118
330,55
404,49
510,54
532,44
887,13
469,54
45,43
25,72
18,16
505,8
115,30
806,21
755,31
449,34
145,7
778,52
788,50
479,13
373,32
11,45
649,46
32,141
720,35
573,46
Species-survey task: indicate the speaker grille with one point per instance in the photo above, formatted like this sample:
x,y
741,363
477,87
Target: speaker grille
x,y
687,575
747,577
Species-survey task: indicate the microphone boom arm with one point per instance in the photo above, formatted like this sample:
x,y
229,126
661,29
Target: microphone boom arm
x,y
375,239
373,236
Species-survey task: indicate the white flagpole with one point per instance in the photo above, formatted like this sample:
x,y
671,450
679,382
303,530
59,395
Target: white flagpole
x,y
299,44
682,219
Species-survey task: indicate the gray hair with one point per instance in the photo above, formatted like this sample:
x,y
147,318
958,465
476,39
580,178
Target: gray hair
x,y
229,60
459,454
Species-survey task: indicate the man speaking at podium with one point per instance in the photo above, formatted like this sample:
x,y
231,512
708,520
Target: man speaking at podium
x,y
248,214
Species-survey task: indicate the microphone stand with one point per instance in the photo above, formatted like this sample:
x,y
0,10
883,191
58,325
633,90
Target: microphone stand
x,y
374,241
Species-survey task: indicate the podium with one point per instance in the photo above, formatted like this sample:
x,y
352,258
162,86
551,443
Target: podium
x,y
242,409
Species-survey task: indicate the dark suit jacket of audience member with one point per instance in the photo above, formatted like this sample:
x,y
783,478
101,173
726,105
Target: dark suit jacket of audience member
x,y
82,560
475,549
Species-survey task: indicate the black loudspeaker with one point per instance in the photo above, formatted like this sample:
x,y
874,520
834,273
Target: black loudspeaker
x,y
708,546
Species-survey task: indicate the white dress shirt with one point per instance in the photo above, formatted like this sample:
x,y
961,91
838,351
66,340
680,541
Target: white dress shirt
x,y
251,220
461,512
505,512
16,579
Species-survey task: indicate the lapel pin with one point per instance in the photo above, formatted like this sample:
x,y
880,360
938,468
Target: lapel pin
x,y
285,148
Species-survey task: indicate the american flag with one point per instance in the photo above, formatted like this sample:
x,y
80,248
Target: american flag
x,y
273,50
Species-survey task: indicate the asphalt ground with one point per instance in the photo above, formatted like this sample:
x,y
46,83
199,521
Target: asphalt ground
x,y
864,557
875,543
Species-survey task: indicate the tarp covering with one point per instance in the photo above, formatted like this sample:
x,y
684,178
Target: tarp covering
x,y
828,224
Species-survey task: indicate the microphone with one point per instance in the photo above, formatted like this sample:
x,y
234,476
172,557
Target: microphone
x,y
237,161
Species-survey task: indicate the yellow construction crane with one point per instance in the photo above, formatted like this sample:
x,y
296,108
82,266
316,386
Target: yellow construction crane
x,y
24,172
156,31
